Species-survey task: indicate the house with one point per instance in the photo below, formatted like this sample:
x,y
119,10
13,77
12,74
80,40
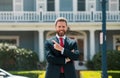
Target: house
x,y
28,23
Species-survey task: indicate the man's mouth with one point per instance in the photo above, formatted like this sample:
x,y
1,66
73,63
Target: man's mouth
x,y
61,31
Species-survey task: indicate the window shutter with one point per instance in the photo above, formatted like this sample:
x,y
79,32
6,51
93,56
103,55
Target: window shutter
x,y
113,5
18,5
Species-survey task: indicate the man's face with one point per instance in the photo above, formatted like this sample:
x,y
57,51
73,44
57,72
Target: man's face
x,y
61,28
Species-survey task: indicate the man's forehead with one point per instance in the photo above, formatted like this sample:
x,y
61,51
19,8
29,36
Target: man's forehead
x,y
61,19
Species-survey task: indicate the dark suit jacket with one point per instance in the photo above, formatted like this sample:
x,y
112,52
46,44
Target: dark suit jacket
x,y
56,59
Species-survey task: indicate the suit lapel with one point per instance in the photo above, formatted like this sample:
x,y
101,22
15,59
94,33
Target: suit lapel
x,y
66,42
56,39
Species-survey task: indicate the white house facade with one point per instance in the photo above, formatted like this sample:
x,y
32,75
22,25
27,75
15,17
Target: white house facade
x,y
28,23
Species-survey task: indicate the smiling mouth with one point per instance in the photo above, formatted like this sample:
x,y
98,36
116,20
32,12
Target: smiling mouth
x,y
61,31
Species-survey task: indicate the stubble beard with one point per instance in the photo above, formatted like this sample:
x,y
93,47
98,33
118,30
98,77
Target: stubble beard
x,y
61,33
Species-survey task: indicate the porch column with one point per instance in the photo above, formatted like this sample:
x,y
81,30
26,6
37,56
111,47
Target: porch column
x,y
92,43
41,45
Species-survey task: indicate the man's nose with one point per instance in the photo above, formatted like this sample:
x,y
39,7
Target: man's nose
x,y
62,28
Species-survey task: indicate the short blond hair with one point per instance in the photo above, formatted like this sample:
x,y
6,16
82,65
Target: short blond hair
x,y
60,19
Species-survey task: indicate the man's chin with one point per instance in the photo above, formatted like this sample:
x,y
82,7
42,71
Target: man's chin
x,y
61,34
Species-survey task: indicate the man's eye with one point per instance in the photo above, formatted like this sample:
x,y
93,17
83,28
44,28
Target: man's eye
x,y
63,26
59,26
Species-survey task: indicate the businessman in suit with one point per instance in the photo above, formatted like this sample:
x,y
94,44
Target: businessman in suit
x,y
61,51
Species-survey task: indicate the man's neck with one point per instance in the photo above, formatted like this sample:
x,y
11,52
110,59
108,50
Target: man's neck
x,y
60,36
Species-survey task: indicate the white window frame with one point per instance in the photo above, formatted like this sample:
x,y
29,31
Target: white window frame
x,y
16,4
114,41
40,5
11,37
90,5
112,3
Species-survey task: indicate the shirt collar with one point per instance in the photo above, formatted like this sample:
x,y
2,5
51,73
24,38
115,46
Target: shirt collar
x,y
62,36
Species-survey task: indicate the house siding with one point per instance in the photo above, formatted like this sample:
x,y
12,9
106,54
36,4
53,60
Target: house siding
x,y
110,34
26,38
109,40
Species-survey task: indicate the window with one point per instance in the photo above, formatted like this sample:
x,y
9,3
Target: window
x,y
81,5
117,42
66,5
119,5
10,39
50,5
6,5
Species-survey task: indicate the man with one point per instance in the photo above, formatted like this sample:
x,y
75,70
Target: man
x,y
61,51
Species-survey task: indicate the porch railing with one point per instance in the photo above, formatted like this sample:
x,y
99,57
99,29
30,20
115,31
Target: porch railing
x,y
51,16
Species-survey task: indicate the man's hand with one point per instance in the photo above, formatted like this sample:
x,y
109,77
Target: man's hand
x,y
57,46
67,60
73,50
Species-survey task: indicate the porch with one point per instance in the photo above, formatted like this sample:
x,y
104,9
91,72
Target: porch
x,y
43,17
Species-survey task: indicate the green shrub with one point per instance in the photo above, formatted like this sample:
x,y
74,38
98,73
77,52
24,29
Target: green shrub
x,y
89,65
14,58
114,74
113,61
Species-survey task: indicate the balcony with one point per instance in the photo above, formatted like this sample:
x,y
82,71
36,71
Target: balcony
x,y
39,17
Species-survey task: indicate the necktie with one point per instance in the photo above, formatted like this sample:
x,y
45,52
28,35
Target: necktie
x,y
62,44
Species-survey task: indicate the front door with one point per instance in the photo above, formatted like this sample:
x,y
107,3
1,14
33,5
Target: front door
x,y
81,49
80,44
